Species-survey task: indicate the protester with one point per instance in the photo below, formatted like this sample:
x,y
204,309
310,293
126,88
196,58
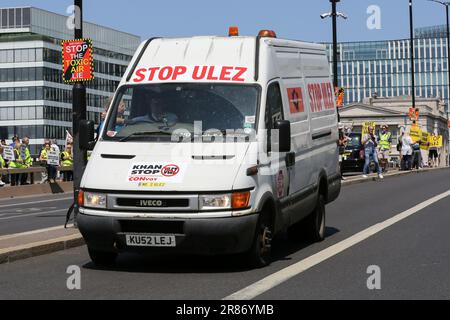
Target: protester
x,y
54,147
433,156
67,161
18,163
51,169
369,141
343,140
384,142
28,161
13,143
399,147
416,155
2,165
44,174
407,151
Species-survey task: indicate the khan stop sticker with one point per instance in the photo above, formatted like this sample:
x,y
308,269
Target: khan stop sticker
x,y
157,173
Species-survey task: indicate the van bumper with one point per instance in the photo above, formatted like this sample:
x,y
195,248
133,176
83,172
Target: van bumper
x,y
208,236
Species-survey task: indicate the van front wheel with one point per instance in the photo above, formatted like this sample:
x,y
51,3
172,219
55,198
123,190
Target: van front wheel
x,y
260,252
102,258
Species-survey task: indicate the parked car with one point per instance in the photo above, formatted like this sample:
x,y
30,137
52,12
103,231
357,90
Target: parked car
x,y
353,159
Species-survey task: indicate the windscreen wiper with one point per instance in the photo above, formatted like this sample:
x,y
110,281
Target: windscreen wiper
x,y
145,133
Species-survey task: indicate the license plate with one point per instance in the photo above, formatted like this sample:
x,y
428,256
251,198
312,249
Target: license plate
x,y
146,240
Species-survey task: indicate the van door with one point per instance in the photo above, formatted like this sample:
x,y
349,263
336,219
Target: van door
x,y
274,112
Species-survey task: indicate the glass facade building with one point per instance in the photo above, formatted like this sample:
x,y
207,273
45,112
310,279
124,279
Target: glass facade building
x,y
34,101
382,68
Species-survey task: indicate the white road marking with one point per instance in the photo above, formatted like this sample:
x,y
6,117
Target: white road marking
x,y
285,274
15,235
34,202
33,214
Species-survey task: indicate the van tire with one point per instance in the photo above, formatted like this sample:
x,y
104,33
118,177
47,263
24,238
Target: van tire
x,y
315,222
102,258
260,253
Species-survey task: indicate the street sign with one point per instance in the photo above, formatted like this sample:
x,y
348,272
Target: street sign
x,y
78,62
53,158
8,153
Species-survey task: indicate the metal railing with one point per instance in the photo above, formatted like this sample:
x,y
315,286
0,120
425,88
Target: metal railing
x,y
32,171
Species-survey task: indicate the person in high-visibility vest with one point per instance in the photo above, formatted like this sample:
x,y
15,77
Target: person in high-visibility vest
x,y
384,144
18,163
51,170
28,161
67,161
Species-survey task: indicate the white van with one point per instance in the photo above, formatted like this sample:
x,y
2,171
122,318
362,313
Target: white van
x,y
212,145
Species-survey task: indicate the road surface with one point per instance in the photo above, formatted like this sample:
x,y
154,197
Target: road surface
x,y
399,226
31,213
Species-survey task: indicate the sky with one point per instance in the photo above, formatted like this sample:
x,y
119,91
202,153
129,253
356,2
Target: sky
x,y
291,19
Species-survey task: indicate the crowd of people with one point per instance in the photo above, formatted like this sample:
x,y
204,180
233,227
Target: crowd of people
x,y
23,160
376,149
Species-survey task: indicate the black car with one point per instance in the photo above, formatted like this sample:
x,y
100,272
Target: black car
x,y
351,159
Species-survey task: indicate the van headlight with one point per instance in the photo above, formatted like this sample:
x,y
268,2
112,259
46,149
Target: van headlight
x,y
94,200
236,200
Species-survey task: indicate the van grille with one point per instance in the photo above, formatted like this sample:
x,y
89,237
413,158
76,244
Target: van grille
x,y
153,203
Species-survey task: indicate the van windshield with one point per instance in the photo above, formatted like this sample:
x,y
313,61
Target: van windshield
x,y
160,111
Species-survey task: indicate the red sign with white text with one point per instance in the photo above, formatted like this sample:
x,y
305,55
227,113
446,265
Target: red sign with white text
x,y
321,96
78,62
296,103
190,73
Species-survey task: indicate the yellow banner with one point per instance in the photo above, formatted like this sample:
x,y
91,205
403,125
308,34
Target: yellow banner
x,y
425,141
366,125
415,133
435,141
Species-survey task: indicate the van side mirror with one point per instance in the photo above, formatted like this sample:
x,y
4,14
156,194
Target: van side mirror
x,y
87,132
284,129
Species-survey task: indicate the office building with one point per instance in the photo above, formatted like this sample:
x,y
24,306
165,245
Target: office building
x,y
34,101
382,68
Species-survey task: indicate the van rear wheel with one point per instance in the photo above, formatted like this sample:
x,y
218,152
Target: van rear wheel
x,y
102,258
315,222
260,253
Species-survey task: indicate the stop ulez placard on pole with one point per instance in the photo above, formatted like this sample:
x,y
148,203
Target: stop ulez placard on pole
x,y
78,62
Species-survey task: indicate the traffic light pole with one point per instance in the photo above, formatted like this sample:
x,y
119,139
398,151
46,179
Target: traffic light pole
x,y
78,114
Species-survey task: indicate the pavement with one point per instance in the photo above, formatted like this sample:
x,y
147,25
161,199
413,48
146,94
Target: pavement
x,y
399,226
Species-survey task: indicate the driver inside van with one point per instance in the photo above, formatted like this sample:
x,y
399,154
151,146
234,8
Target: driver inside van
x,y
156,114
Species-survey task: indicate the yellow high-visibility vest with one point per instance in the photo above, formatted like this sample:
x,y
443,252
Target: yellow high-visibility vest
x,y
67,162
384,141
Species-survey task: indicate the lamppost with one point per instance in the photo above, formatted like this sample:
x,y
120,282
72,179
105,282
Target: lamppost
x,y
78,113
334,14
446,5
411,47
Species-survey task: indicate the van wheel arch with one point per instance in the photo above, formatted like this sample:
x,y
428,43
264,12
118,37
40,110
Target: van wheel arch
x,y
269,207
322,185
